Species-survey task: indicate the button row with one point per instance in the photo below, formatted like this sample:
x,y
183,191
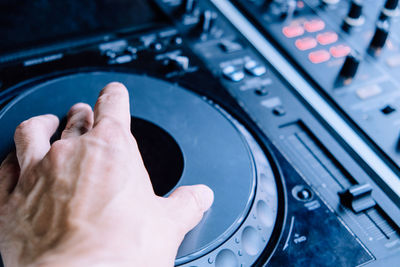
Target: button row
x,y
237,74
296,30
322,55
310,42
325,38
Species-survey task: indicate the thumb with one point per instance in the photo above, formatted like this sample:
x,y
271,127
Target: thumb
x,y
189,204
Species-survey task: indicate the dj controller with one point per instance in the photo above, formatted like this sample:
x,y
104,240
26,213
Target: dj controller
x,y
287,109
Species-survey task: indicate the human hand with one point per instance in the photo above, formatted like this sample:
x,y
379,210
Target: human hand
x,y
87,200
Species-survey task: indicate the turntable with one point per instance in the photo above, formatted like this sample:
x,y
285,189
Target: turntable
x,y
207,108
203,144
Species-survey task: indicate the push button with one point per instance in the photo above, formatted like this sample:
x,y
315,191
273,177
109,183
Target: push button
x,y
314,25
306,43
327,38
293,31
262,91
233,74
340,51
319,56
393,61
279,111
254,68
369,91
388,110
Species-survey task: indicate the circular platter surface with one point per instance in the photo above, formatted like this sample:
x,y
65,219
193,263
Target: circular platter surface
x,y
207,145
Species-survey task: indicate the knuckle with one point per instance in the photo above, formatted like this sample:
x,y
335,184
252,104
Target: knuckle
x,y
194,198
109,126
59,147
58,151
114,89
30,125
25,126
79,107
103,98
81,126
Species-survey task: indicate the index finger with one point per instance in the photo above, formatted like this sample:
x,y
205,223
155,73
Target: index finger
x,y
113,103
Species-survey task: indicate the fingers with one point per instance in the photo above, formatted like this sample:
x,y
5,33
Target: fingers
x,y
79,121
9,173
32,139
113,105
189,204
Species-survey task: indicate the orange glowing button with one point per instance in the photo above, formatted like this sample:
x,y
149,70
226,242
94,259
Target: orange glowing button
x,y
319,56
306,43
327,38
293,31
314,25
340,51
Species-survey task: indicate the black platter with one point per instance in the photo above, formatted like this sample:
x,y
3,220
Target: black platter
x,y
205,145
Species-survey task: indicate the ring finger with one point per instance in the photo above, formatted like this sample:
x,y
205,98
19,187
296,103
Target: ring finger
x,y
79,121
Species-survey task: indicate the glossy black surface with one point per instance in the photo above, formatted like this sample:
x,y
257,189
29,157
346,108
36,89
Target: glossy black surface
x,y
24,24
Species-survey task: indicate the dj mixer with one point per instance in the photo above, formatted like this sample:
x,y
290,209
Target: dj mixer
x,y
288,109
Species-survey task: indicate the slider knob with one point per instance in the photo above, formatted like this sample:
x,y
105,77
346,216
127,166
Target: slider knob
x,y
207,21
379,39
349,68
354,17
357,197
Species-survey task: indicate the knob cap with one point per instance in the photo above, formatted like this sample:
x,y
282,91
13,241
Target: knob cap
x,y
354,16
188,6
177,63
391,4
349,68
207,21
357,197
389,9
380,36
330,2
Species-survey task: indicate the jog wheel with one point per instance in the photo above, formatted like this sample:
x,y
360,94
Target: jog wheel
x,y
184,139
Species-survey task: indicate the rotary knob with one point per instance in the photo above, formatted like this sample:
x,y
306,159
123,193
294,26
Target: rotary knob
x,y
188,6
177,63
379,39
354,16
389,9
330,2
391,4
349,68
207,21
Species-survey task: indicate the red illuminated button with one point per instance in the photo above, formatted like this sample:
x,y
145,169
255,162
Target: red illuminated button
x,y
314,25
293,31
327,38
319,56
305,43
340,50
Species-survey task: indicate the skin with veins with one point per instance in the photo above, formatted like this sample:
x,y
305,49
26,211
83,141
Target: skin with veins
x,y
86,199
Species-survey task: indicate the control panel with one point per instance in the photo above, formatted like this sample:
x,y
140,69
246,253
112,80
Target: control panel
x,y
350,50
274,106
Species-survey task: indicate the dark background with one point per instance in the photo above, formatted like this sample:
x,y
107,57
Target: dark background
x,y
29,23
